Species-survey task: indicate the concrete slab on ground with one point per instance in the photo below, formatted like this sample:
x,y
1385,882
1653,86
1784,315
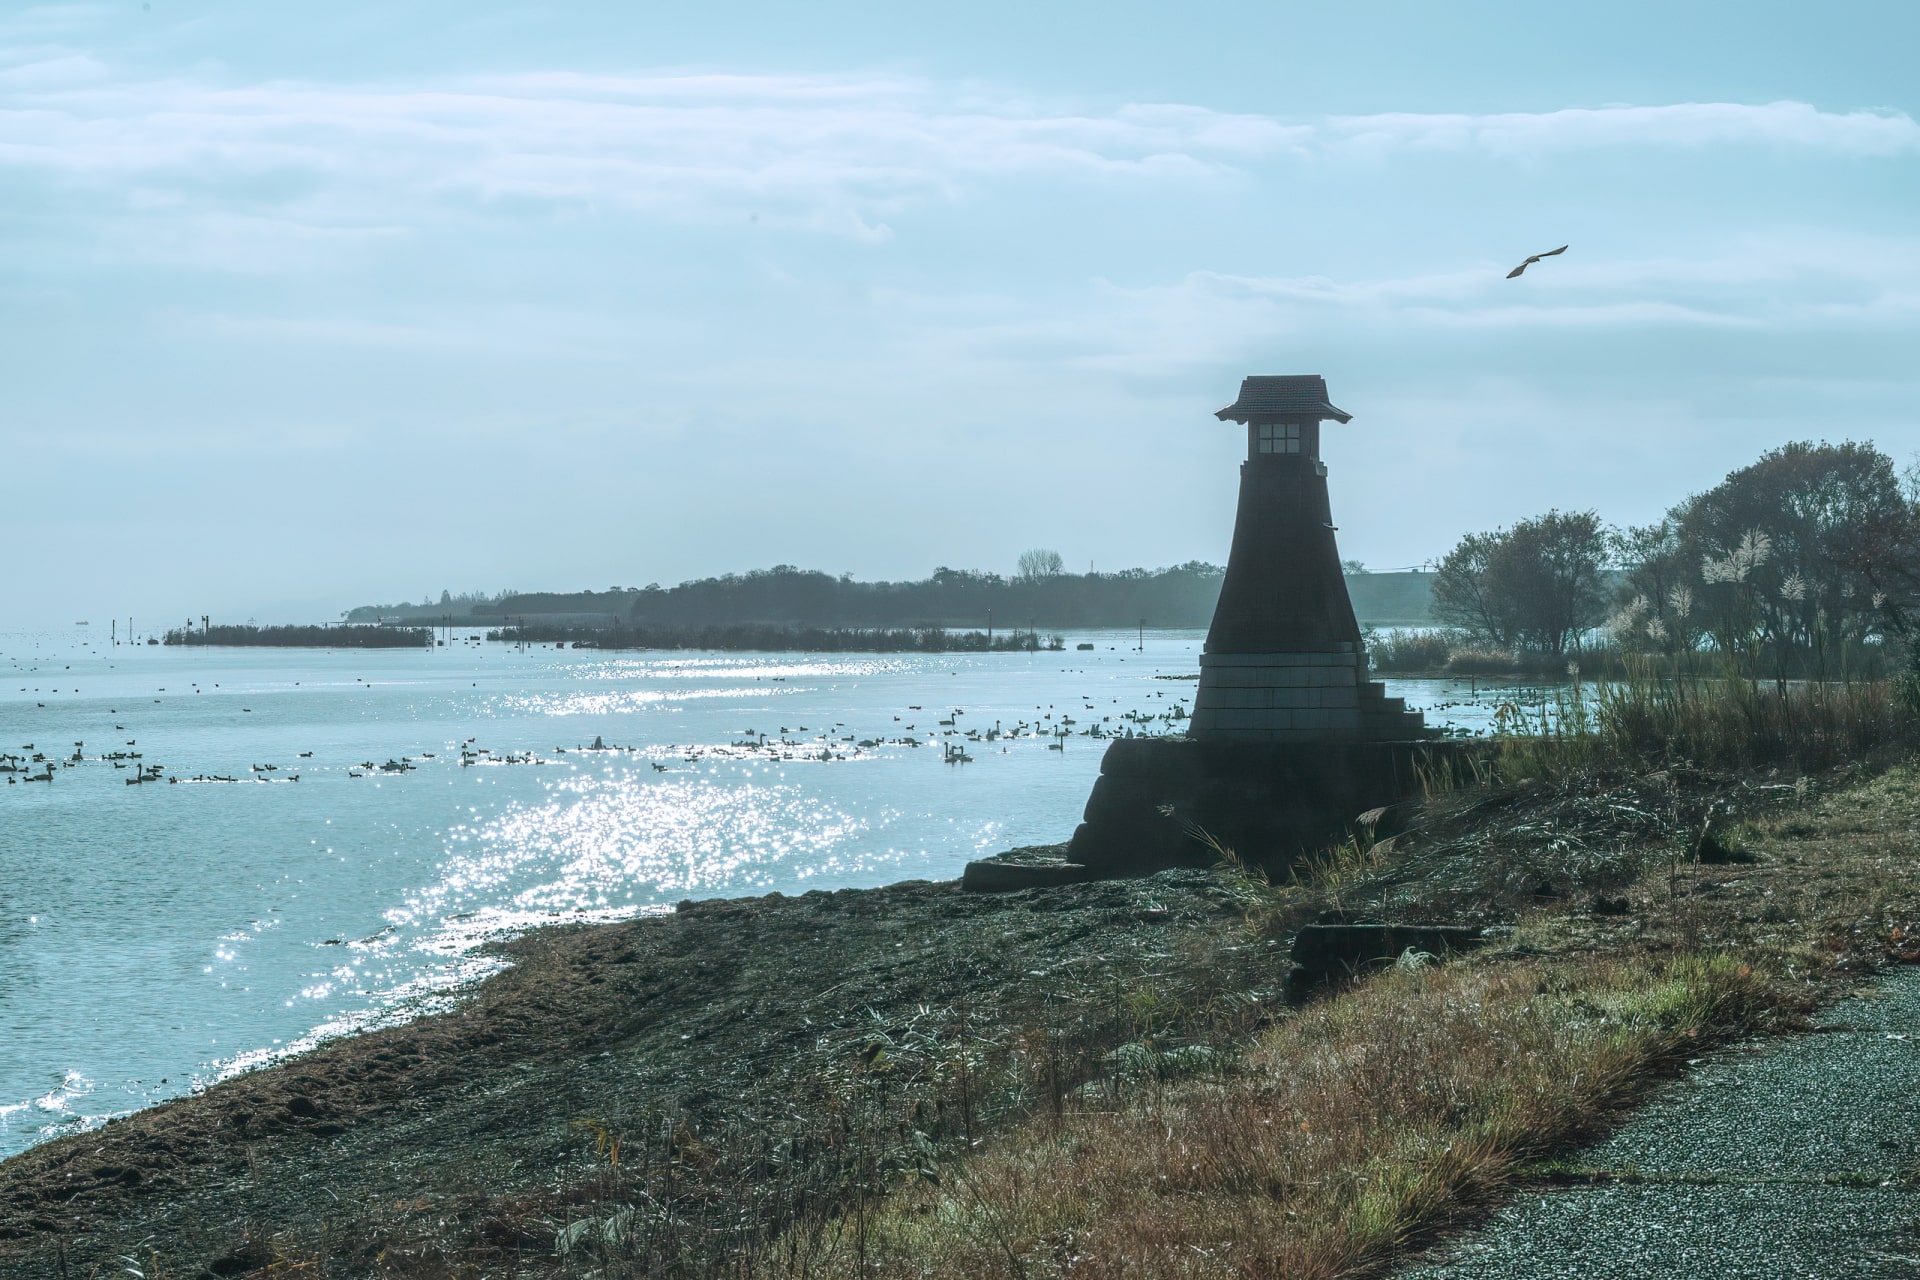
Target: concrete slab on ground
x,y
1796,1158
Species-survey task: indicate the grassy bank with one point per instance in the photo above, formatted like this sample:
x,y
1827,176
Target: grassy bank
x,y
1341,1136
1345,1136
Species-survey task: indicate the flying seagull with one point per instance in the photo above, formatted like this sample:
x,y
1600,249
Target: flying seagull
x,y
1535,258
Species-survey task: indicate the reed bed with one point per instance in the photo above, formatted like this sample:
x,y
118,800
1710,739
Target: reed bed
x,y
1411,651
1655,717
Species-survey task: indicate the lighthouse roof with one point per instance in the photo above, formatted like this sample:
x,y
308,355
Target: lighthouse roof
x,y
1284,395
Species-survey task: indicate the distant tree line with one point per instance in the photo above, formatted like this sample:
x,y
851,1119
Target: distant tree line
x,y
1809,556
766,637
1182,596
1040,595
460,604
297,637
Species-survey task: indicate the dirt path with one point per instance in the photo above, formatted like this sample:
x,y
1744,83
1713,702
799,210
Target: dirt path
x,y
1799,1159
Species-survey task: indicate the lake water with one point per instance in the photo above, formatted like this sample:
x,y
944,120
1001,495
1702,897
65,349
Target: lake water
x,y
154,938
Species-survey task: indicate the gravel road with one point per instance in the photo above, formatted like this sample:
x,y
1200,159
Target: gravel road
x,y
1779,1160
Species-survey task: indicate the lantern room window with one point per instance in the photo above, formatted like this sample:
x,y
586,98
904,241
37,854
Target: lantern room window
x,y
1279,437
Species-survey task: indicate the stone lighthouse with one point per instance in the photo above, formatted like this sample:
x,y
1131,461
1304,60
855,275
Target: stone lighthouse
x,y
1289,741
1283,661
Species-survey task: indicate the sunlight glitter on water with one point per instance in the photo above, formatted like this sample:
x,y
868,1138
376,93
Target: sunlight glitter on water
x,y
759,667
610,840
583,703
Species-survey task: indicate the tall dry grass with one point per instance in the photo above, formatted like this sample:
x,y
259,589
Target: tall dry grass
x,y
1406,650
1654,715
1345,1135
1742,723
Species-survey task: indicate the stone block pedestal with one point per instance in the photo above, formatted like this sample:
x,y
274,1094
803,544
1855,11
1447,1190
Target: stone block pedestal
x,y
1298,695
1270,801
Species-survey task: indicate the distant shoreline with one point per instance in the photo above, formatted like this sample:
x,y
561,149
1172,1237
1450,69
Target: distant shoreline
x,y
751,638
743,638
301,637
1181,596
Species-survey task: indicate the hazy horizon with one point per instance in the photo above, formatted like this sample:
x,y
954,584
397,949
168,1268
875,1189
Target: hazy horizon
x,y
306,310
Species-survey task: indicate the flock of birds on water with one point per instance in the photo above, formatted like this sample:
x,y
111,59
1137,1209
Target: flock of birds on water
x,y
33,764
957,739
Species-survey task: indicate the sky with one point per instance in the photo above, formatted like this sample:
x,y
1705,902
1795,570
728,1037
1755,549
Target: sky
x,y
303,308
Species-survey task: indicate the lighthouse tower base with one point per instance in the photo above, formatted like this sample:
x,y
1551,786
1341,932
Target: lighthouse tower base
x,y
1298,696
1178,802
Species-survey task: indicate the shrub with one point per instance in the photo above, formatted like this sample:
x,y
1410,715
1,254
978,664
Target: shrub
x,y
1410,650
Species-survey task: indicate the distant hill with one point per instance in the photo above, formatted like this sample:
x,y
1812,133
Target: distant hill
x,y
1181,596
1392,599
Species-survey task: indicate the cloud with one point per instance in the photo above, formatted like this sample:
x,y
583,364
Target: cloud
x,y
51,19
835,155
54,72
829,155
1680,125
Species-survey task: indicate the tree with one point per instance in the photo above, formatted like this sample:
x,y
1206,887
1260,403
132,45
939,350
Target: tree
x,y
1535,586
1546,574
1836,538
1040,563
1352,566
1463,592
1648,557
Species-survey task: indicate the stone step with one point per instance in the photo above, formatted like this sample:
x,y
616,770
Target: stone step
x,y
990,875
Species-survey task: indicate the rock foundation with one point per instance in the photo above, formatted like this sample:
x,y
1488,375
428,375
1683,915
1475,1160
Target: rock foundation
x,y
1173,802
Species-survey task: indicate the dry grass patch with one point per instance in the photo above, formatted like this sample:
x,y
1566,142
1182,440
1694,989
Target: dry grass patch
x,y
1345,1135
1655,716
